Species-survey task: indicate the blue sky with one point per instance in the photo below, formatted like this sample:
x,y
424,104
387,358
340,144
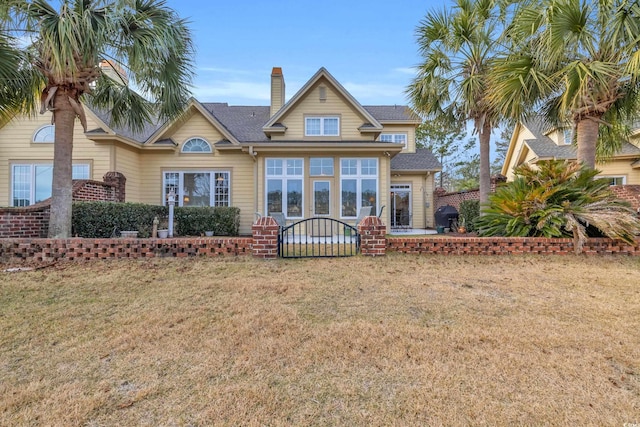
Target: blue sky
x,y
369,46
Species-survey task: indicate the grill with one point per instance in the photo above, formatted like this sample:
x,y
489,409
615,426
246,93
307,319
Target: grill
x,y
444,215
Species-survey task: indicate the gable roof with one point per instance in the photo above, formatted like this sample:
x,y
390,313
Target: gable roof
x,y
422,160
370,121
545,148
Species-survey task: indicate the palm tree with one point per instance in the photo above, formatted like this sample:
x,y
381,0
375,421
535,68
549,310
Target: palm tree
x,y
458,48
62,63
577,63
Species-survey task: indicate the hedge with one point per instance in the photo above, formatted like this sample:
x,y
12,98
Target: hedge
x,y
108,219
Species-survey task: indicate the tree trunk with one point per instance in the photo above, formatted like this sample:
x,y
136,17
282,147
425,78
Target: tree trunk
x,y
61,195
485,170
587,137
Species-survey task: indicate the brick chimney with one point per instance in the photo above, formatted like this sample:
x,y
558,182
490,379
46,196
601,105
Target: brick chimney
x,y
277,90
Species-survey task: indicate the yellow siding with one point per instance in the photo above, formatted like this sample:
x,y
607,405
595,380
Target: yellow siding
x,y
154,164
16,146
334,105
195,127
518,151
421,195
409,130
127,162
620,168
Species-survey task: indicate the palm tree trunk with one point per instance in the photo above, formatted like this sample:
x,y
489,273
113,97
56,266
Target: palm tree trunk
x,y
60,220
485,170
587,138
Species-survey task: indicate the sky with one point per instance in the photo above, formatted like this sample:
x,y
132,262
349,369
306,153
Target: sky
x,y
368,46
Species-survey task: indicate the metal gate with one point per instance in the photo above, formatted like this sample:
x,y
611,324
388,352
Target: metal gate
x,y
318,237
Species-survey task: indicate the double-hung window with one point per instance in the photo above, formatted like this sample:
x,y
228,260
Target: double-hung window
x,y
322,126
358,186
205,188
398,138
31,183
285,178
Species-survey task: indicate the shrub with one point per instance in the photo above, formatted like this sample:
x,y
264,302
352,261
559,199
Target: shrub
x,y
193,221
558,199
469,212
101,219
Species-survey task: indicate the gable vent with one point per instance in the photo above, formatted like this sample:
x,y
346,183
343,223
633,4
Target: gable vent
x,y
323,93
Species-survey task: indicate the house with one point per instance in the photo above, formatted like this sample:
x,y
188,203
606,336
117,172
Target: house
x,y
533,141
321,153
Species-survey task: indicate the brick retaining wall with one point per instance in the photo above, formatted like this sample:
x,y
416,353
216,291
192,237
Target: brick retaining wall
x,y
506,246
47,250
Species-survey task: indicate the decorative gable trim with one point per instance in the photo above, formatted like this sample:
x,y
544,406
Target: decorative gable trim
x,y
193,103
372,125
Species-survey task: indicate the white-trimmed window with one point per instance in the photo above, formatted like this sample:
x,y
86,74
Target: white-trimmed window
x,y
284,192
615,180
567,135
31,183
196,145
321,166
398,138
199,188
45,135
358,186
322,126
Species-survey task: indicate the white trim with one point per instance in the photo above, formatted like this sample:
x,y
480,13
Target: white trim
x,y
196,138
32,180
394,138
624,178
284,177
322,125
358,177
180,186
41,129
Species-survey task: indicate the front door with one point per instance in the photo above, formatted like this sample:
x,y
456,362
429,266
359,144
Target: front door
x,y
401,206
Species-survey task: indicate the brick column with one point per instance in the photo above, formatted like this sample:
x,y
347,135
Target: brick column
x,y
265,238
119,182
372,236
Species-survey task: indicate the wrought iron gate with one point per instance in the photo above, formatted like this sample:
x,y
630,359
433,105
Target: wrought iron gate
x,y
318,237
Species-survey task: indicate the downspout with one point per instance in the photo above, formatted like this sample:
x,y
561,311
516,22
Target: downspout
x,y
255,177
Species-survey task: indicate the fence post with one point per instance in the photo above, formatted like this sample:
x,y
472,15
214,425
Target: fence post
x,y
373,241
265,238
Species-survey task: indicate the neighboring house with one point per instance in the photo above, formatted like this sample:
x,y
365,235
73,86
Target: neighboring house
x,y
319,154
533,141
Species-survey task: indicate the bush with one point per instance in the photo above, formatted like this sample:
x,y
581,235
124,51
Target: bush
x,y
194,221
469,212
558,199
102,219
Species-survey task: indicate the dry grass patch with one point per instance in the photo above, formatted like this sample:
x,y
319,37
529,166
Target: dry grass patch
x,y
399,340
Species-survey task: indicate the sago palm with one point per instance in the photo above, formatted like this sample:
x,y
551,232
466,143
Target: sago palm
x,y
458,47
578,63
61,61
558,199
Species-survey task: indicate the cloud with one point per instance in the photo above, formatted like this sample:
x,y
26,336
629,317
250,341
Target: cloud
x,y
406,70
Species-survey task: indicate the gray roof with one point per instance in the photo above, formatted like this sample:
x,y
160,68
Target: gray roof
x,y
544,147
391,112
245,122
141,137
421,160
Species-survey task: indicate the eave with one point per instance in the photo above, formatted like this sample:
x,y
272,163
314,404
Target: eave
x,y
318,147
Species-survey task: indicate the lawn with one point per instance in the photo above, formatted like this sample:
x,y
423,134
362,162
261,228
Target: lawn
x,y
399,340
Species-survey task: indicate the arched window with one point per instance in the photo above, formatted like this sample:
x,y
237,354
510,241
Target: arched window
x,y
44,134
196,145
